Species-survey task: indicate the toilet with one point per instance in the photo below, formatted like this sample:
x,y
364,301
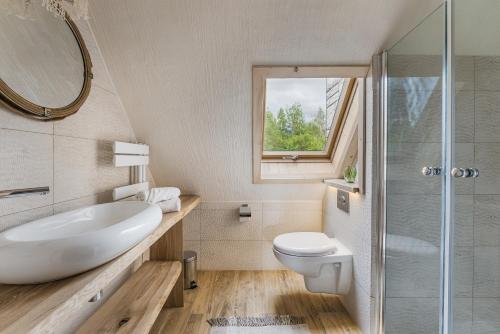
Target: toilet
x,y
324,262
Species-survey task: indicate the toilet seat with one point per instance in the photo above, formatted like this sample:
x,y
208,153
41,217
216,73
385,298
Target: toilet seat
x,y
305,244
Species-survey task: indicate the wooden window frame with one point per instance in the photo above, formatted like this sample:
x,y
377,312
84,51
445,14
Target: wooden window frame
x,y
261,73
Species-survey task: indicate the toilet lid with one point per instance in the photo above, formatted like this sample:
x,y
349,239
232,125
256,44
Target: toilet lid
x,y
304,244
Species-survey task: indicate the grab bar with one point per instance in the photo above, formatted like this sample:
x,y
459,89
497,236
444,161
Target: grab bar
x,y
24,192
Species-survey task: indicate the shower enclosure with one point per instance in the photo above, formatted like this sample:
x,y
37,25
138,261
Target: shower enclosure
x,y
440,179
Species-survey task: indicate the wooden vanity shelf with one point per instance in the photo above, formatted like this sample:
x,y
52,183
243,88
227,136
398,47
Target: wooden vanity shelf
x,y
137,303
157,283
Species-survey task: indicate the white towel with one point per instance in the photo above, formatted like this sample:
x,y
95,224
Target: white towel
x,y
156,195
170,205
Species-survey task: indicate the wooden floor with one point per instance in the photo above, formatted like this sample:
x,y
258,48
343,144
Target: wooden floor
x,y
247,293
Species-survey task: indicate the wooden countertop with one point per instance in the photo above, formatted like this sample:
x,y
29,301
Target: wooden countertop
x,y
36,308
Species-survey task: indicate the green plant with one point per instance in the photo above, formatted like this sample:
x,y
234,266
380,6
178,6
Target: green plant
x,y
350,174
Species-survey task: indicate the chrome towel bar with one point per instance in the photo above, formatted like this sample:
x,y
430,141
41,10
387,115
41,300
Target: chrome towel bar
x,y
24,192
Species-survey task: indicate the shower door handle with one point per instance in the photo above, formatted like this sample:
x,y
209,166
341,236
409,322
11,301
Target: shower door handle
x,y
431,171
465,172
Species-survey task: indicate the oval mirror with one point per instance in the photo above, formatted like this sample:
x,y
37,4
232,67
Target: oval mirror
x,y
45,68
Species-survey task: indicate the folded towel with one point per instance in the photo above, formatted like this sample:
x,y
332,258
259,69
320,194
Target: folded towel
x,y
170,205
156,195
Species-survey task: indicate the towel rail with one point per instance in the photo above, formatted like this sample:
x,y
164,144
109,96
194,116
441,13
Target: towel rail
x,y
135,156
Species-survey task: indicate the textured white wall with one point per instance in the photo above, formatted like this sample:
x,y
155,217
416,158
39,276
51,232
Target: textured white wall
x,y
354,230
183,71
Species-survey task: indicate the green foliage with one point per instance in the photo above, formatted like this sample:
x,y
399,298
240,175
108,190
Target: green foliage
x,y
290,132
350,174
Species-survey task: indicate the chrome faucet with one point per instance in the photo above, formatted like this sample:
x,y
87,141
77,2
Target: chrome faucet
x,y
24,192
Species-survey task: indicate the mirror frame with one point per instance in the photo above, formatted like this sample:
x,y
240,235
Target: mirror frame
x,y
15,102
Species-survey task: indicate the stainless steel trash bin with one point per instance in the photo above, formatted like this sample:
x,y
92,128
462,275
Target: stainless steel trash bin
x,y
190,270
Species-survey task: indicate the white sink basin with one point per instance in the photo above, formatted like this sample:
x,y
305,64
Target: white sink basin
x,y
72,242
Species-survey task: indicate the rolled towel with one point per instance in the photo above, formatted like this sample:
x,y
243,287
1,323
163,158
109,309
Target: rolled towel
x,y
170,205
156,195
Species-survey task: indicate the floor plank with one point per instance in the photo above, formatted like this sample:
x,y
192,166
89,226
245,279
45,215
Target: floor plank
x,y
252,293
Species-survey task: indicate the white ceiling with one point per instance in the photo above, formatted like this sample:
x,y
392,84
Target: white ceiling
x,y
183,71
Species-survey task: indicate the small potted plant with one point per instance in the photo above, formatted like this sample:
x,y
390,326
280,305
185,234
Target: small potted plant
x,y
350,174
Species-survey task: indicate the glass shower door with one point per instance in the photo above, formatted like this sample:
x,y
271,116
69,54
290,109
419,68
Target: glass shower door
x,y
476,272
414,182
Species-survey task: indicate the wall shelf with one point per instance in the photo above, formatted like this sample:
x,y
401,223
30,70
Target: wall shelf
x,y
342,185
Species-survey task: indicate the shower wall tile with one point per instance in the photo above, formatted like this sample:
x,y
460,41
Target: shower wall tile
x,y
419,217
485,315
462,316
416,116
487,161
487,118
464,73
405,162
416,272
487,220
487,73
421,316
27,161
464,122
79,159
412,315
231,255
22,217
486,269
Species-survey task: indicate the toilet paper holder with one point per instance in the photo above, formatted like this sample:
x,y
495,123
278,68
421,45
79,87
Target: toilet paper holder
x,y
245,213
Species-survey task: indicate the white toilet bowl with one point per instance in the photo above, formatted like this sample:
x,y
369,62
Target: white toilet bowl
x,y
324,262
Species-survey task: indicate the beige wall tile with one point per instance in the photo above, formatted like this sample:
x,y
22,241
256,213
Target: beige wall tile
x,y
226,225
231,255
101,75
269,260
20,218
76,203
15,121
101,117
26,161
191,226
276,222
84,167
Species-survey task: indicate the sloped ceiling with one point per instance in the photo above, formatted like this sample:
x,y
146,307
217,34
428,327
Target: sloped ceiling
x,y
183,71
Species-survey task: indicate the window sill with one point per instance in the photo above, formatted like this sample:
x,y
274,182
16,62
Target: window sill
x,y
342,185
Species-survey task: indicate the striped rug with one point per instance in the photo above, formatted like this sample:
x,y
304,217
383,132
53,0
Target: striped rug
x,y
266,324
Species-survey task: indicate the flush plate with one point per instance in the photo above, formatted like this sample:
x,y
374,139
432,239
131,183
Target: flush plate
x,y
343,200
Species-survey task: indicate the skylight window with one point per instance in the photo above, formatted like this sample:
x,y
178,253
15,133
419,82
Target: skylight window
x,y
300,114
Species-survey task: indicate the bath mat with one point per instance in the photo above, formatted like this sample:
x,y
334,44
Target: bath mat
x,y
267,324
